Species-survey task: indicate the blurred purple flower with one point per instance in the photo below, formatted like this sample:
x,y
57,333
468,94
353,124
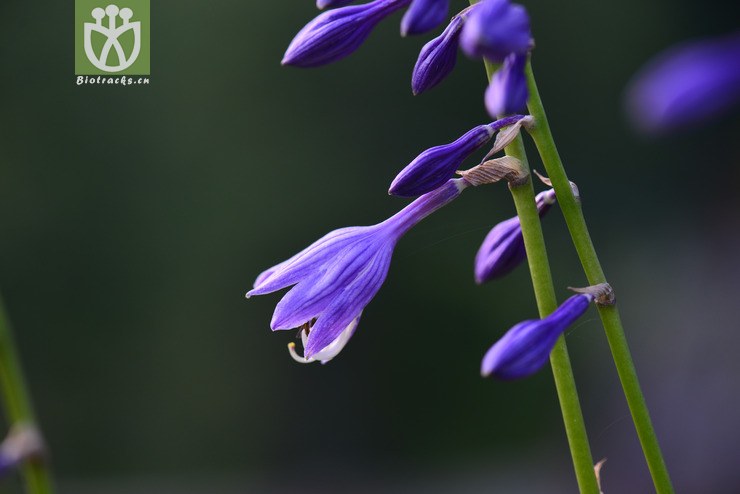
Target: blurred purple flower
x,y
337,33
526,347
686,85
507,93
436,165
330,4
495,29
437,58
23,443
423,16
503,248
338,275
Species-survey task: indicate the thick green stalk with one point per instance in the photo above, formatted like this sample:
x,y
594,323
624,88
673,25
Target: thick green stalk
x,y
539,267
592,267
17,404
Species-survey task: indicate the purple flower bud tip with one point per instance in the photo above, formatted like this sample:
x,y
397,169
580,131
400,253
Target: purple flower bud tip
x,y
436,165
337,276
503,248
495,29
686,85
437,58
330,4
526,347
508,92
337,33
423,16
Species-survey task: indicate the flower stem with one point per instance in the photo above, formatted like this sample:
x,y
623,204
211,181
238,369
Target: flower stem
x,y
592,267
17,405
539,267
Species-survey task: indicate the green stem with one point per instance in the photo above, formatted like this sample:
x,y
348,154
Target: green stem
x,y
17,403
539,267
573,214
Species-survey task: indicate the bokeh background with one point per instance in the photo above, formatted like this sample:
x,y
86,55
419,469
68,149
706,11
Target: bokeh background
x,y
134,219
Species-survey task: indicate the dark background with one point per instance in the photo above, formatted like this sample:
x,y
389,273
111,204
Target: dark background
x,y
134,219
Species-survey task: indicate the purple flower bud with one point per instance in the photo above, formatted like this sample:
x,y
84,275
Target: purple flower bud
x,y
423,16
331,4
525,348
436,165
437,58
495,29
508,91
338,275
503,248
687,85
23,443
337,33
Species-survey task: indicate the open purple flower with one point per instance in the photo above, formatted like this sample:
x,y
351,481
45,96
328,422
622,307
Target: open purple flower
x,y
687,85
507,93
339,274
437,58
495,29
503,248
337,33
423,16
436,165
526,347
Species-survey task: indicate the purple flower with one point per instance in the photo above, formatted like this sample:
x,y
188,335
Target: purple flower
x,y
437,58
686,85
508,91
503,248
337,33
436,165
495,29
525,348
330,4
423,16
338,275
23,443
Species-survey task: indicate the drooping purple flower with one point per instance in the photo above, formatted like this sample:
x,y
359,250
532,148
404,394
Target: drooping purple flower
x,y
686,85
436,165
507,93
526,347
337,33
423,16
338,275
437,58
495,29
331,4
503,248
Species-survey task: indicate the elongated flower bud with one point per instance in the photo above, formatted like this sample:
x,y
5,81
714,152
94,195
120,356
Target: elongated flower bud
x,y
337,33
526,347
508,92
437,58
436,165
503,248
687,85
332,4
423,16
495,29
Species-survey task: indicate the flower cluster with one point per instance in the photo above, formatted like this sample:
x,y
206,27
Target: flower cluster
x,y
333,280
496,30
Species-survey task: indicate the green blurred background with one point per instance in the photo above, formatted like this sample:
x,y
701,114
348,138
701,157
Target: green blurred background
x,y
134,219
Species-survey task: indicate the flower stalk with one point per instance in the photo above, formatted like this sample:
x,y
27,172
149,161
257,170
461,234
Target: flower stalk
x,y
571,208
539,267
17,406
